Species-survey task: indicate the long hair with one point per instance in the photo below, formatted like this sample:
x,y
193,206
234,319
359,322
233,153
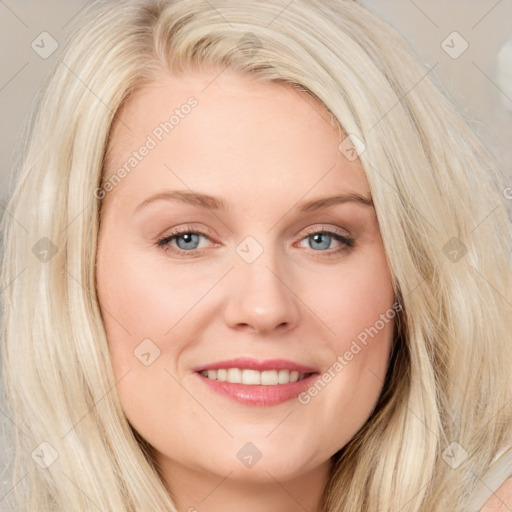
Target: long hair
x,y
446,407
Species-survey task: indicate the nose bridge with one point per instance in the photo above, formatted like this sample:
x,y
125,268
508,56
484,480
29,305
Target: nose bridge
x,y
261,293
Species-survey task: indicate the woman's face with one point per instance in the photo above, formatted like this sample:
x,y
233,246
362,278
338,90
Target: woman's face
x,y
252,281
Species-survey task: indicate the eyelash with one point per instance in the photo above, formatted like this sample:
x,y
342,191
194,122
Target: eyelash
x,y
347,242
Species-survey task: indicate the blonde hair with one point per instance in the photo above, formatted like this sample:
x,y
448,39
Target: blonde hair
x,y
441,210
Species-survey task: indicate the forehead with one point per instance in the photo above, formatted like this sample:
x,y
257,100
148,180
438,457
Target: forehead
x,y
213,129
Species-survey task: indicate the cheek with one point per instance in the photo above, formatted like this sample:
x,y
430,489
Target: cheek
x,y
141,305
137,310
356,304
134,297
354,297
128,299
143,293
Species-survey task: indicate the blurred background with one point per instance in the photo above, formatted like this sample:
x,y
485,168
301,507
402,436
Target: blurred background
x,y
468,41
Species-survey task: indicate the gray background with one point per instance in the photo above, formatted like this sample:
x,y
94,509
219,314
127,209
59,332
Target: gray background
x,y
473,79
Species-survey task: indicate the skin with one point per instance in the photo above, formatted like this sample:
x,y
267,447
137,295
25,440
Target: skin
x,y
262,148
501,499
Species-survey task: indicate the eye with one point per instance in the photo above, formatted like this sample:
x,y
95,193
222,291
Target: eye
x,y
322,240
187,240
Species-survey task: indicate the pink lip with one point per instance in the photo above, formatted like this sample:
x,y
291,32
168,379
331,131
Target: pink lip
x,y
259,395
253,364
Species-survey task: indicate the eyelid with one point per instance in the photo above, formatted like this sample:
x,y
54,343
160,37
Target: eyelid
x,y
316,229
186,228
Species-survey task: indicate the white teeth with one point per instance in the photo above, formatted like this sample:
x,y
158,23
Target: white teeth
x,y
235,375
269,378
254,377
283,376
251,377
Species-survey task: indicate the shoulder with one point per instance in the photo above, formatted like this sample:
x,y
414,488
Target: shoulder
x,y
501,500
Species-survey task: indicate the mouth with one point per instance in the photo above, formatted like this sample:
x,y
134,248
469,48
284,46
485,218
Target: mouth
x,y
257,383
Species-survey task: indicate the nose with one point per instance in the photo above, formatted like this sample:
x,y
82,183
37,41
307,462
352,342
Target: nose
x,y
261,298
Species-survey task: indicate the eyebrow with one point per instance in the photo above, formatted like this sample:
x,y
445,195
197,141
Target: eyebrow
x,y
214,203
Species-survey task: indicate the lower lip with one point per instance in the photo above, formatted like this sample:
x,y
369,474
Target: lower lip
x,y
257,394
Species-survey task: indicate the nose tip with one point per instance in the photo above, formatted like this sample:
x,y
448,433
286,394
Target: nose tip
x,y
261,301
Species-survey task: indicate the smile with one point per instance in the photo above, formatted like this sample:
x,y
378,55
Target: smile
x,y
255,377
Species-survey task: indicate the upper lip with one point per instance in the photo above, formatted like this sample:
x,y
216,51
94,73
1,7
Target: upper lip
x,y
254,364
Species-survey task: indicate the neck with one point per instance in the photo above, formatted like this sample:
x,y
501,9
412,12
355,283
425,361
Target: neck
x,y
196,491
